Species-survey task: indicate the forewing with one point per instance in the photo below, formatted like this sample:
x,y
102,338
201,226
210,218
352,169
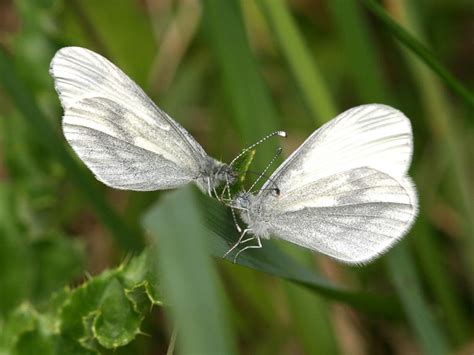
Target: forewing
x,y
81,74
353,216
376,136
109,138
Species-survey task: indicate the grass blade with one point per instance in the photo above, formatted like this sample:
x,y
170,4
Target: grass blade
x,y
248,96
359,53
190,282
270,259
421,51
299,59
407,282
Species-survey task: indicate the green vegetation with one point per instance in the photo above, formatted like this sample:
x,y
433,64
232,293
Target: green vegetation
x,y
85,269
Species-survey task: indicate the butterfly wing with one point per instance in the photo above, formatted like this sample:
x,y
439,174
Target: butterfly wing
x,y
352,216
120,134
373,135
103,134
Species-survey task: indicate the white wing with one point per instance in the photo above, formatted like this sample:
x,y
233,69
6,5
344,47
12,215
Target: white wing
x,y
374,135
353,216
121,135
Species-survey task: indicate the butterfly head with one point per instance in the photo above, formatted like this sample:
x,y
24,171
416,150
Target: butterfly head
x,y
243,201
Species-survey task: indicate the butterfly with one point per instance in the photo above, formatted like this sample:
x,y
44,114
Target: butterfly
x,y
121,135
344,192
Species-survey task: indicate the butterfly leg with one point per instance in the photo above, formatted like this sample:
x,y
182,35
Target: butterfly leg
x,y
224,190
245,231
209,192
258,246
237,226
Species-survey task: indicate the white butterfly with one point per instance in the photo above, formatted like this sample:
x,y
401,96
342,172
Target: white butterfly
x,y
344,192
121,135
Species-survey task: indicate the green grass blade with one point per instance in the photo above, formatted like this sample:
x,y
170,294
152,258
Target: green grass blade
x,y
420,50
250,101
299,59
26,104
359,53
190,282
407,282
311,312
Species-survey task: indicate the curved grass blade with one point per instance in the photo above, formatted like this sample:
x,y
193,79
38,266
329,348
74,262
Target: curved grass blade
x,y
271,260
420,50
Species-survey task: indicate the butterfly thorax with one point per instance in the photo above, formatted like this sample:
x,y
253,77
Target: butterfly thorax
x,y
214,173
253,214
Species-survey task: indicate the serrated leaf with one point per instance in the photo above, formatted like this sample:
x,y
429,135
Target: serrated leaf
x,y
104,312
138,296
88,340
83,301
117,323
138,275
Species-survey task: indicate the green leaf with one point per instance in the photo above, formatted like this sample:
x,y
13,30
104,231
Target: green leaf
x,y
104,313
81,304
117,322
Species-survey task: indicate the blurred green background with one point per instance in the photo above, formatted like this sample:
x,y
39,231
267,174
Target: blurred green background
x,y
73,277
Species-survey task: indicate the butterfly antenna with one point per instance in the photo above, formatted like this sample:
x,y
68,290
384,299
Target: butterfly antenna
x,y
277,133
275,186
278,152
